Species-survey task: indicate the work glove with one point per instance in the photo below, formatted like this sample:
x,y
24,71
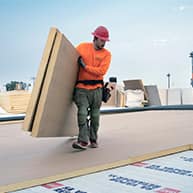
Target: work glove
x,y
80,62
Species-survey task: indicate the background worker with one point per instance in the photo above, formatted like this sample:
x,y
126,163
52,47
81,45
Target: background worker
x,y
94,62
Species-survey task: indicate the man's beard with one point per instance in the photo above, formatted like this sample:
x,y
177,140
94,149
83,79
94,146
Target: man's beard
x,y
100,47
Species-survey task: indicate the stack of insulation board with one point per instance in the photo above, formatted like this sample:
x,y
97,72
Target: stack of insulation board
x,y
128,94
15,101
176,96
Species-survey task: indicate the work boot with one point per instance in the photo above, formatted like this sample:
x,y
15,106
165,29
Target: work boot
x,y
79,145
93,145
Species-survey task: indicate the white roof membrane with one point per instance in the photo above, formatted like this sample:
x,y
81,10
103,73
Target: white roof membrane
x,y
168,174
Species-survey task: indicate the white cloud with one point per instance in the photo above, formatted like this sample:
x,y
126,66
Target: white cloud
x,y
160,42
182,8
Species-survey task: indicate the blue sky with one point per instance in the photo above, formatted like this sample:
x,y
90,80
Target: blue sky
x,y
148,38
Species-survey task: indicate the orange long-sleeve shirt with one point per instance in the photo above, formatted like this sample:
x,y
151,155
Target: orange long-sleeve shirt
x,y
97,63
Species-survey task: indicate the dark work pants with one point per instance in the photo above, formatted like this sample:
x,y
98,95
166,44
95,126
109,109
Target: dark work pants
x,y
88,102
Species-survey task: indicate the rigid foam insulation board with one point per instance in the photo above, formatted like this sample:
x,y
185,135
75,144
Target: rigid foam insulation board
x,y
39,81
55,112
163,96
2,111
134,98
153,95
120,99
135,84
187,96
174,96
120,95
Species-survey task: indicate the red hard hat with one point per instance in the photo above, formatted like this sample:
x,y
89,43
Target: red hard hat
x,y
102,33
